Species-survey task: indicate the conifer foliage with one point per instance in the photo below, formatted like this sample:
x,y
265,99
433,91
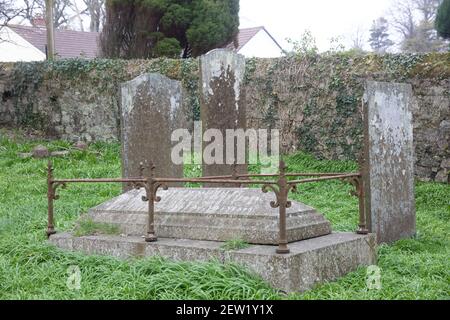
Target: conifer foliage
x,y
169,28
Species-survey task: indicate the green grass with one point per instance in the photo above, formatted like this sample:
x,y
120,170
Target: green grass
x,y
30,269
234,244
88,227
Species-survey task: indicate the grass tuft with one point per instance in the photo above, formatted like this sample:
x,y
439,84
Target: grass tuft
x,y
234,244
88,227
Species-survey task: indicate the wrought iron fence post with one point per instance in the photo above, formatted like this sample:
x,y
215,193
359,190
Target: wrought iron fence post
x,y
50,198
283,190
151,194
235,173
362,180
362,208
358,184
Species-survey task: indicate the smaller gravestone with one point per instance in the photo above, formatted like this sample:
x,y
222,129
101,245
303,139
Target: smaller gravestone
x,y
389,153
80,145
40,151
222,103
152,108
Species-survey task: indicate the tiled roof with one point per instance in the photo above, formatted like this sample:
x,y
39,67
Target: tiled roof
x,y
68,43
245,35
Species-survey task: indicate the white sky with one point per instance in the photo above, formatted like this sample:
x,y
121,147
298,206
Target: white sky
x,y
290,18
324,18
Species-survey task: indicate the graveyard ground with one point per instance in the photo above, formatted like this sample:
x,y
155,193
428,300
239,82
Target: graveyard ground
x,y
416,268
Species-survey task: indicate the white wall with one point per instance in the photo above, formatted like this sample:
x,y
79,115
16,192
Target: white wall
x,y
261,46
15,48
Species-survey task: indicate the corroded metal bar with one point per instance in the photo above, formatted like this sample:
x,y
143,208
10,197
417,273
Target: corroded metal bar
x,y
235,174
363,228
305,174
50,198
283,203
151,188
362,209
272,175
341,176
313,174
237,182
151,194
52,185
216,177
102,180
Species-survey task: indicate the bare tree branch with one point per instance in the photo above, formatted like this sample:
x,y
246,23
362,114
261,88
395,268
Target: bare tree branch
x,y
414,21
403,19
96,12
8,11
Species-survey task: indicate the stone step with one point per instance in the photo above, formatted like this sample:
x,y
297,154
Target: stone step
x,y
310,261
212,214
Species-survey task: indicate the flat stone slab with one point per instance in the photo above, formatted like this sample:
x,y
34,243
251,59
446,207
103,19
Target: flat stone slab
x,y
310,262
214,214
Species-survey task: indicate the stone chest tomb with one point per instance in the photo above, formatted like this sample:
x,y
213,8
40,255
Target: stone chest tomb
x,y
289,244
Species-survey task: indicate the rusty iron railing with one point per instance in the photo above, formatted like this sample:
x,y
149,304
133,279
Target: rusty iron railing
x,y
281,188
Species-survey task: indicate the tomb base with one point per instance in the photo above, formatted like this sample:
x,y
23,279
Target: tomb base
x,y
310,261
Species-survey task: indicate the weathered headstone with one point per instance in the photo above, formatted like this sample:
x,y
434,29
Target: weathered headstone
x,y
152,107
221,101
390,161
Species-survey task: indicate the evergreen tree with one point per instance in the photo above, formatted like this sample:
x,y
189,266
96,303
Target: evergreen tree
x,y
153,28
443,19
379,36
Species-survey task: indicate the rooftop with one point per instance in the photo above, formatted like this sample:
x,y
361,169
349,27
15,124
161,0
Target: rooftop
x,y
245,35
68,43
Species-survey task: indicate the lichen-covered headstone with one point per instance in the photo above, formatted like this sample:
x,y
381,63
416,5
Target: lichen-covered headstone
x,y
152,108
390,160
222,101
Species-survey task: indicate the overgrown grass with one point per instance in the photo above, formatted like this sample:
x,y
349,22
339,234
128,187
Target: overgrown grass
x,y
88,227
30,269
234,244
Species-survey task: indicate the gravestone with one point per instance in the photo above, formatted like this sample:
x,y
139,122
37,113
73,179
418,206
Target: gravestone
x,y
222,102
389,153
152,107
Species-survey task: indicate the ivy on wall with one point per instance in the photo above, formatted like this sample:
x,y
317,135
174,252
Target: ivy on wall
x,y
318,97
29,82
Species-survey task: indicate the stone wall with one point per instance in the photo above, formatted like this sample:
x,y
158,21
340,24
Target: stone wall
x,y
314,100
78,99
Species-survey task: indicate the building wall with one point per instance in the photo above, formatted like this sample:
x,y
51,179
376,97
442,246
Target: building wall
x,y
14,48
261,46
